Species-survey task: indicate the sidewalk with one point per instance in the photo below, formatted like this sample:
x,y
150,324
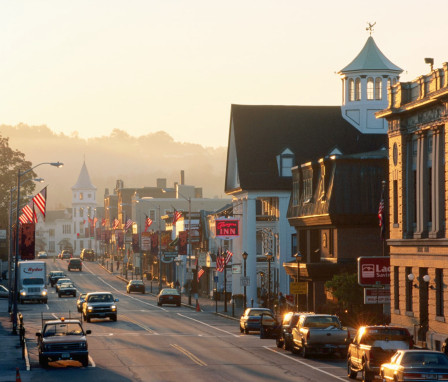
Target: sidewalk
x,y
205,304
10,350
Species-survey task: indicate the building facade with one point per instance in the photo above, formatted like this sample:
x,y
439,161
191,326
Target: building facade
x,y
417,118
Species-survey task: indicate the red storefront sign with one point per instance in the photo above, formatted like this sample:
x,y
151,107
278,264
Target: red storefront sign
x,y
226,228
373,271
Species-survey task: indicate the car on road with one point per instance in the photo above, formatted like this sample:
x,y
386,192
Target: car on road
x,y
60,281
168,296
87,255
4,292
99,305
251,319
135,286
80,301
67,289
74,264
62,339
42,255
54,276
284,340
65,254
415,365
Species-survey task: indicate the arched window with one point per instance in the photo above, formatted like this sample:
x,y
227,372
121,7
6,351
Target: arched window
x,y
370,88
351,89
357,89
378,88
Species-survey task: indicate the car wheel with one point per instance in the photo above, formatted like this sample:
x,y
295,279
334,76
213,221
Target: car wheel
x,y
43,361
159,304
88,318
59,295
85,361
350,372
241,329
143,292
366,376
279,342
178,305
305,352
246,331
286,345
45,301
114,318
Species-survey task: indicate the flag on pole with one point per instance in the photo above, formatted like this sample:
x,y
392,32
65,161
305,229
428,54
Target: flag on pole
x,y
382,217
129,223
29,212
228,256
176,216
219,262
40,200
116,223
23,219
200,273
148,223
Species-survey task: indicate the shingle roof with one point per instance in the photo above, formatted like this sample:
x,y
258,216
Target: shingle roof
x,y
371,58
84,182
310,132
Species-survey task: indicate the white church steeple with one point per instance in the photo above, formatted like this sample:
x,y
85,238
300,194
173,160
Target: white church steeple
x,y
365,83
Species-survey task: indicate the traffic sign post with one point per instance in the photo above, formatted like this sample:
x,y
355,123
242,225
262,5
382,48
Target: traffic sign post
x,y
298,287
245,281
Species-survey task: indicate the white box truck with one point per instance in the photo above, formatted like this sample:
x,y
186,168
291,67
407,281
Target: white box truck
x,y
32,276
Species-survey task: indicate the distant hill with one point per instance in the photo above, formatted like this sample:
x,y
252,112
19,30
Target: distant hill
x,y
138,161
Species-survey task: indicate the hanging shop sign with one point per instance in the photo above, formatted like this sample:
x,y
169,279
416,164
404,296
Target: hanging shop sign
x,y
227,228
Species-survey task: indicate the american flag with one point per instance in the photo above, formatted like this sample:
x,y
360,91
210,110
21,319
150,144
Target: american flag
x,y
129,223
381,217
148,223
200,273
176,216
116,223
228,256
103,222
29,212
40,200
219,262
23,219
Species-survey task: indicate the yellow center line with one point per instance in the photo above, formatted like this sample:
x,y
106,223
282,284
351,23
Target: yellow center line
x,y
138,324
189,355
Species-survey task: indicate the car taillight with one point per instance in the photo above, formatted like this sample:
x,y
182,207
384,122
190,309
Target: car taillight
x,y
443,377
253,320
308,335
413,376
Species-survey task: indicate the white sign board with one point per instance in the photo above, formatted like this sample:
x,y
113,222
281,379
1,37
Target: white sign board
x,y
376,296
245,281
236,268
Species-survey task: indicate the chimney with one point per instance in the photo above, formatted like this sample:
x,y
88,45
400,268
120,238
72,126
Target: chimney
x,y
198,192
161,182
182,177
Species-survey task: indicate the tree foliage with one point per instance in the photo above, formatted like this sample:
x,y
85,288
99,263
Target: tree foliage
x,y
346,289
11,161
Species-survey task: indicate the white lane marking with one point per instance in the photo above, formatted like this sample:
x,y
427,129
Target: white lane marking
x,y
54,315
48,308
92,362
210,326
305,364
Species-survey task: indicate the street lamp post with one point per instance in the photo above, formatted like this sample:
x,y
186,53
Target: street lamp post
x,y
245,254
16,260
298,257
269,258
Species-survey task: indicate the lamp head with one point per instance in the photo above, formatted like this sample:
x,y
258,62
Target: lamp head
x,y
244,254
298,257
411,277
426,278
57,164
268,255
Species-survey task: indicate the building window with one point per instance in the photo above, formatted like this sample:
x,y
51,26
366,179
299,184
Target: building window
x,y
295,191
66,229
51,246
74,212
439,293
351,89
396,288
357,89
286,163
51,232
408,290
294,243
370,88
395,201
81,244
378,88
307,189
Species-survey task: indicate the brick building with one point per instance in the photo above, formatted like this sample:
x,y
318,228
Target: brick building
x,y
417,118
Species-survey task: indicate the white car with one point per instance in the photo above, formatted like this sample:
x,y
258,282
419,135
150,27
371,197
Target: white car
x,y
42,255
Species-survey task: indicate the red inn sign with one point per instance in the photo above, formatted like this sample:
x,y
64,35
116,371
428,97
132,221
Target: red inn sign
x,y
227,228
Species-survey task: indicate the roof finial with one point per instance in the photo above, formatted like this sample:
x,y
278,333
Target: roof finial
x,y
370,27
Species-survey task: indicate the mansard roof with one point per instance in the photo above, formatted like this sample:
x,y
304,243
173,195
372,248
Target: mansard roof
x,y
371,58
84,182
310,132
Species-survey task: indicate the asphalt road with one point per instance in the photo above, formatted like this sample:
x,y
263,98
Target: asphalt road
x,y
151,343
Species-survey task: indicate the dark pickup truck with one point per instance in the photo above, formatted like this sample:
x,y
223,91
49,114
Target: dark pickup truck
x,y
62,340
54,276
373,346
99,305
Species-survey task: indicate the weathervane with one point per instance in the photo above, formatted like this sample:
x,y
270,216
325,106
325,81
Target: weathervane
x,y
370,27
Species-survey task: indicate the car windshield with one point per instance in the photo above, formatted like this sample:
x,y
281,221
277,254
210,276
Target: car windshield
x,y
2,288
322,322
61,281
137,282
257,313
170,291
57,274
82,296
33,281
424,358
63,329
67,285
101,298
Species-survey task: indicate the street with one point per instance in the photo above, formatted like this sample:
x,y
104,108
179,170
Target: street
x,y
152,343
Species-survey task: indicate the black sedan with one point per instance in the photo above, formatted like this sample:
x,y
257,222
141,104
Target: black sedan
x,y
54,276
168,296
67,289
135,286
416,365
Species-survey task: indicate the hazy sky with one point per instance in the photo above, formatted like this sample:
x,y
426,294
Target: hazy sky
x,y
146,65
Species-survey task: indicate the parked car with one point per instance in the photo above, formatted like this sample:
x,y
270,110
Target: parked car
x,y
67,289
4,292
65,254
60,281
135,286
87,255
168,296
373,346
251,319
54,276
284,340
320,334
80,301
42,255
75,264
416,365
99,305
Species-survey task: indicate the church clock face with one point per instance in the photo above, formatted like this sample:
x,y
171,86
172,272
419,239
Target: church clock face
x,y
395,154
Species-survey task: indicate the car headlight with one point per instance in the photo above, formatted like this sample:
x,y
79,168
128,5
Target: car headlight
x,y
89,308
23,293
44,293
114,308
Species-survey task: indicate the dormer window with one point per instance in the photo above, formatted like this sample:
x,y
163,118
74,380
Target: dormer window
x,y
370,88
378,88
307,189
351,89
285,161
358,89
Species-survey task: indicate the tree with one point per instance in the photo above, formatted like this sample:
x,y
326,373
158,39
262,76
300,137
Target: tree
x,y
346,289
11,161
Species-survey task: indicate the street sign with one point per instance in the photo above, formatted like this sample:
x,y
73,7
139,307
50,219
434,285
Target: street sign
x,y
376,296
374,270
245,281
236,268
298,287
